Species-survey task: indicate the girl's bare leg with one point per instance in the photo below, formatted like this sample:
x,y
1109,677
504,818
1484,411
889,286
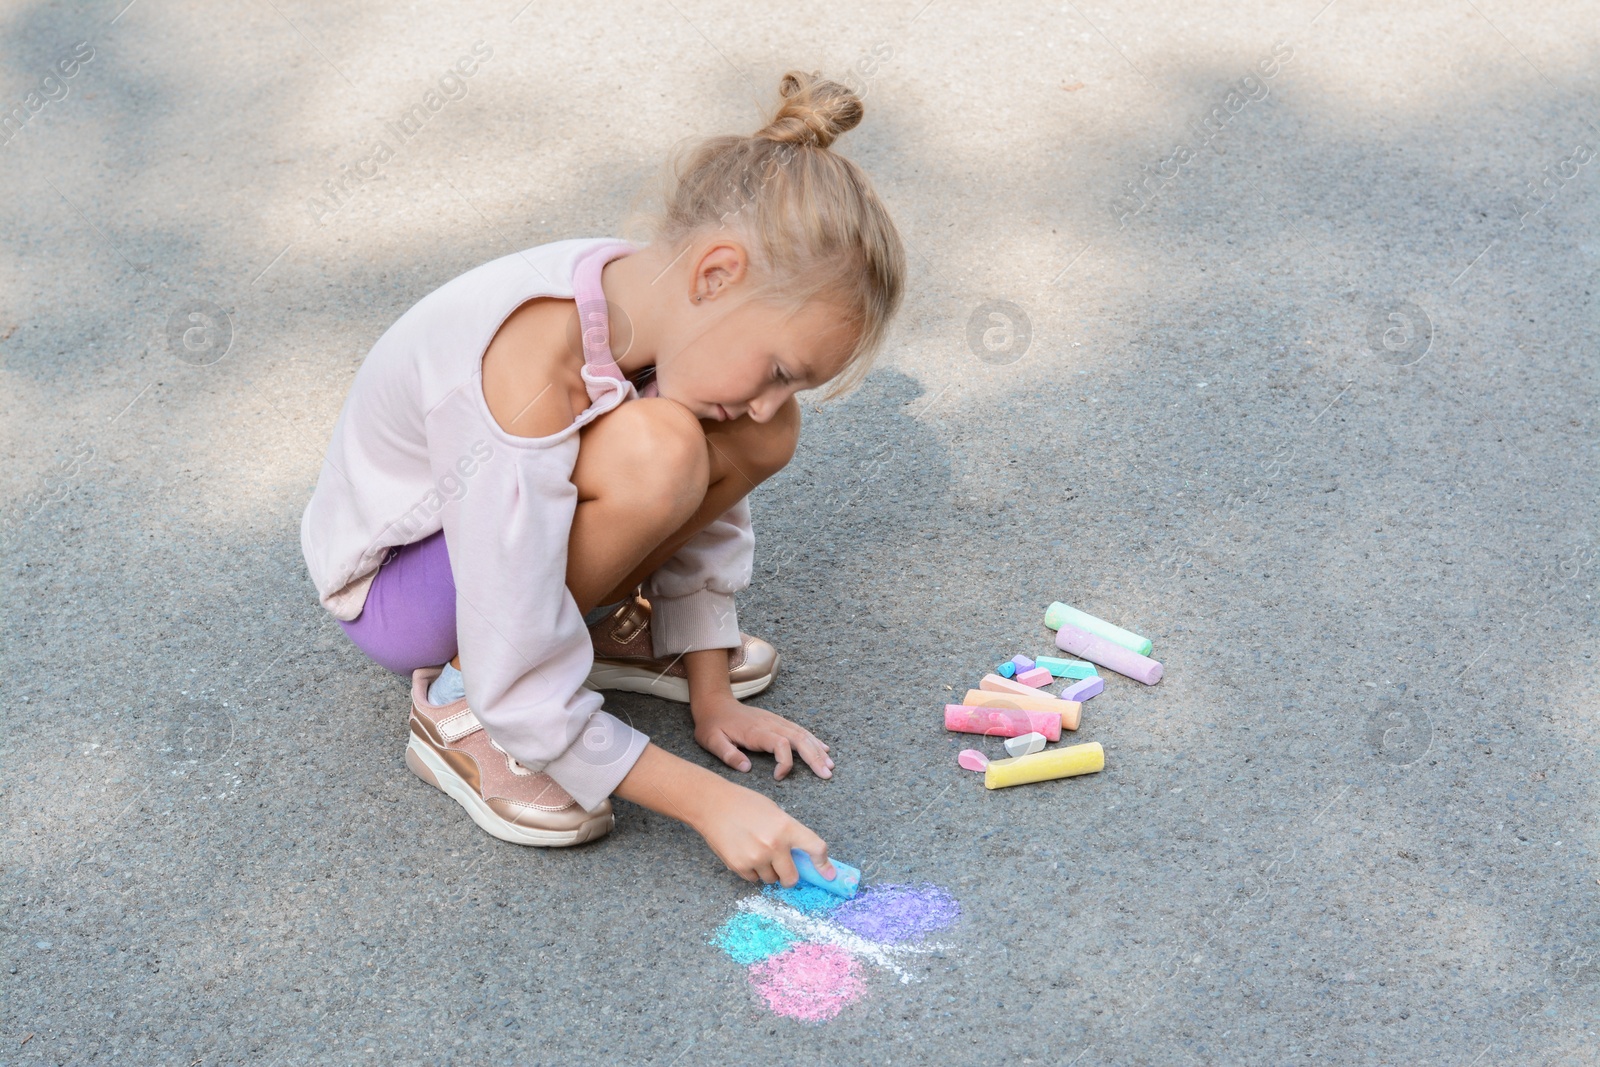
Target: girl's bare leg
x,y
650,476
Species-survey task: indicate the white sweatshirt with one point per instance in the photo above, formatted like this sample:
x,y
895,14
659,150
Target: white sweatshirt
x,y
415,449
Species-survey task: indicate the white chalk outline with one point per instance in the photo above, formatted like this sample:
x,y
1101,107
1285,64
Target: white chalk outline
x,y
823,931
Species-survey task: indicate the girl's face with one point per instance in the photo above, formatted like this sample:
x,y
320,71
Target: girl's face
x,y
726,355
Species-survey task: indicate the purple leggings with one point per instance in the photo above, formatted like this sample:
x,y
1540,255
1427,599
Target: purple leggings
x,y
409,620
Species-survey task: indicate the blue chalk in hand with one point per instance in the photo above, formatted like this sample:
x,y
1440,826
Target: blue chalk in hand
x,y
846,881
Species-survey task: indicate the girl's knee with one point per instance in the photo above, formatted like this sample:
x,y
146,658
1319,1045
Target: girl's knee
x,y
652,445
668,438
769,446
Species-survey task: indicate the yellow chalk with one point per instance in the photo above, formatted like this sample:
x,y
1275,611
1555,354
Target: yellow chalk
x,y
1069,710
1044,766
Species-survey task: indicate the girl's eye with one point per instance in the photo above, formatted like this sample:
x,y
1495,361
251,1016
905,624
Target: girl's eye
x,y
778,375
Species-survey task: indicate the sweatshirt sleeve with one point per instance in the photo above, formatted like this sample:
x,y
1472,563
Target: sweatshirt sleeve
x,y
691,595
525,652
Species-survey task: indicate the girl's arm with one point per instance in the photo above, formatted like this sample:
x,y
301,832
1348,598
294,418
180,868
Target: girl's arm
x,y
748,832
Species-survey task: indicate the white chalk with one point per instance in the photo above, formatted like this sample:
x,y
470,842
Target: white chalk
x,y
1026,745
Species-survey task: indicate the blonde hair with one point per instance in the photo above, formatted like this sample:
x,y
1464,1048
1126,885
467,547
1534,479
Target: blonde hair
x,y
811,221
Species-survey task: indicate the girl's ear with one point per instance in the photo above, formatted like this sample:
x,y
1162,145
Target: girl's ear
x,y
721,265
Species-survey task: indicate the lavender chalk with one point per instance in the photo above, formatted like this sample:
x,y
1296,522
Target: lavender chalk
x,y
1107,654
1081,691
1023,663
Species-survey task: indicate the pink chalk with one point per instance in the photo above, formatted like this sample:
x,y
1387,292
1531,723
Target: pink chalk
x,y
1001,722
1108,655
993,683
972,759
1039,677
1023,663
1081,691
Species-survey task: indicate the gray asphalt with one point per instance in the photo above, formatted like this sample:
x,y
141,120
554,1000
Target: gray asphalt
x,y
1315,411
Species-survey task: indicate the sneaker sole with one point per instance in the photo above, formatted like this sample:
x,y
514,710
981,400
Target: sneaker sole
x,y
431,769
606,675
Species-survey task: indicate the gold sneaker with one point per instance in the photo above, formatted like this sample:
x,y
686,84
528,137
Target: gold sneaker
x,y
624,658
451,751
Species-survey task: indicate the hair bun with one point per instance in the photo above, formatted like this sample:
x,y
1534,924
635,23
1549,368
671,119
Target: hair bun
x,y
814,110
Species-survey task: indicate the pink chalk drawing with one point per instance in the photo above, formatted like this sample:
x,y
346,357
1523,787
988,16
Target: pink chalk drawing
x,y
806,951
811,983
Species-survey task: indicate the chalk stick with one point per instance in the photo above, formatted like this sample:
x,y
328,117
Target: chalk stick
x,y
846,879
1001,722
1038,677
1112,657
1025,745
1022,663
993,683
1033,701
1067,668
972,759
1081,691
1045,766
1006,669
1059,615
1069,710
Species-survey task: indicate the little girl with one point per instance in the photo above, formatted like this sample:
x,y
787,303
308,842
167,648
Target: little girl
x,y
536,439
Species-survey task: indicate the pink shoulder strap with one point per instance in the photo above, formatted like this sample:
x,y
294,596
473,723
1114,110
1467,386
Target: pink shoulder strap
x,y
593,316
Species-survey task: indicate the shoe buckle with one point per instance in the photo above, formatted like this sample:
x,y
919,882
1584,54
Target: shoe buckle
x,y
628,626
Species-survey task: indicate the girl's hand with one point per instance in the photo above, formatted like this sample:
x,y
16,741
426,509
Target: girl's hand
x,y
753,836
723,726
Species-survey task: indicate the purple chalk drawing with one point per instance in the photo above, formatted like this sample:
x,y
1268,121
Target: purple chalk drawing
x,y
896,913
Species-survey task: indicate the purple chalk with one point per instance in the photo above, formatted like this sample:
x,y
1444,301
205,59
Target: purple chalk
x,y
1038,677
1089,687
1023,663
1108,655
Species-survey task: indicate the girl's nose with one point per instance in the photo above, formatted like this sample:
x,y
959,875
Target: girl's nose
x,y
764,406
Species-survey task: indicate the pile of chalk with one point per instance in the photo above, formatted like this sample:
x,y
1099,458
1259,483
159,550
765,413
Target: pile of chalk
x,y
1013,702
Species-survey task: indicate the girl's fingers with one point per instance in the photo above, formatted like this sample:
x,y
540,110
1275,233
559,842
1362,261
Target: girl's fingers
x,y
810,750
785,756
768,876
726,751
817,849
783,867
